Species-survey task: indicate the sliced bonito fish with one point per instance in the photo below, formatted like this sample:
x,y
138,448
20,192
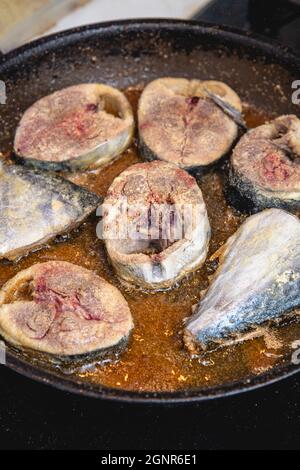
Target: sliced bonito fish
x,y
180,123
265,164
82,126
258,280
36,206
167,227
64,310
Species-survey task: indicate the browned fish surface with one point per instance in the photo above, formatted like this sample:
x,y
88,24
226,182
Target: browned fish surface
x,y
81,126
166,225
64,310
265,164
180,124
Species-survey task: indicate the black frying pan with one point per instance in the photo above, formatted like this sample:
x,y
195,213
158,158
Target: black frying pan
x,y
130,52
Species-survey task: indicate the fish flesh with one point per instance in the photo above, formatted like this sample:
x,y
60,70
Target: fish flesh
x,y
36,206
258,280
180,122
167,228
82,126
63,310
265,164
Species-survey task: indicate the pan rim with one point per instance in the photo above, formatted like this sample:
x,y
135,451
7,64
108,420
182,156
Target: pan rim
x,y
79,387
267,48
267,45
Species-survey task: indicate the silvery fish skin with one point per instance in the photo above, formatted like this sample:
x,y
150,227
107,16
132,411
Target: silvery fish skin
x,y
258,280
35,206
232,112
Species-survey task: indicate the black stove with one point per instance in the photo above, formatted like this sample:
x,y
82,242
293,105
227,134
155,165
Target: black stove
x,y
275,19
34,416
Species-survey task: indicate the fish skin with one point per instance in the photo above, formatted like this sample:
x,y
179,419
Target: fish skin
x,y
258,280
36,206
229,110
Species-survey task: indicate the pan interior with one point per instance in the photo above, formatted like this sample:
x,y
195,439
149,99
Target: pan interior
x,y
128,58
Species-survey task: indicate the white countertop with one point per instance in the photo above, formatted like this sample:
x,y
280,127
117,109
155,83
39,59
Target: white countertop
x,y
104,10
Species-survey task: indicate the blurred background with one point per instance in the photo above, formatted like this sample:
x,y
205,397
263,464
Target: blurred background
x,y
24,20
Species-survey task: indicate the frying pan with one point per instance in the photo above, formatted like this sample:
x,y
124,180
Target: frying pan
x,y
125,53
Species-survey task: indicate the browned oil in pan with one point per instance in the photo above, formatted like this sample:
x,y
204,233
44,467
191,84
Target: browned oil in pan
x,y
155,366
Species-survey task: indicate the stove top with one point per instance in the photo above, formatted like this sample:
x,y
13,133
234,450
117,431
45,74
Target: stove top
x,y
276,19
